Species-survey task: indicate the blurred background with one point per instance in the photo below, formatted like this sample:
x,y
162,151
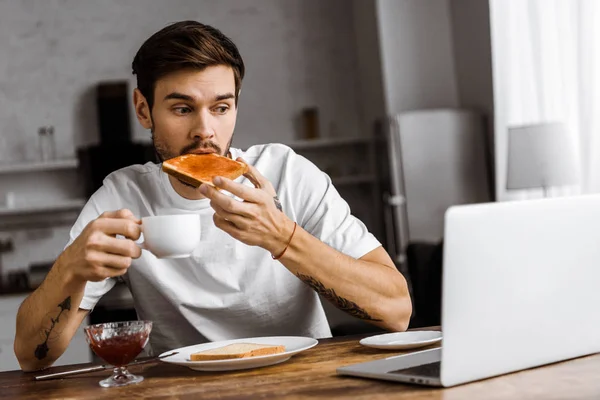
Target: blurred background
x,y
411,106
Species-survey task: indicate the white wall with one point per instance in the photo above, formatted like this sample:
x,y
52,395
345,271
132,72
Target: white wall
x,y
473,62
473,54
417,54
370,70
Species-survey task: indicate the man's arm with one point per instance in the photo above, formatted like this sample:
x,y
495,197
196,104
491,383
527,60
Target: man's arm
x,y
47,321
370,288
49,317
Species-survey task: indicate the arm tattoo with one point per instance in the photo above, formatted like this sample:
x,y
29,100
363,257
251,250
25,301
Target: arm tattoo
x,y
343,304
41,351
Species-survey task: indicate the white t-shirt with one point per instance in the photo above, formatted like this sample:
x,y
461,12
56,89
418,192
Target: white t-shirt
x,y
227,289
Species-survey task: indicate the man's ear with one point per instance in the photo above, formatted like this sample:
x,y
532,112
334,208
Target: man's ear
x,y
142,109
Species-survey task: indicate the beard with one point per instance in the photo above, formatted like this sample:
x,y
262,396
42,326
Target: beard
x,y
164,151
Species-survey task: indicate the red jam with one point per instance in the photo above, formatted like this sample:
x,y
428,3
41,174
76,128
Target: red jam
x,y
120,350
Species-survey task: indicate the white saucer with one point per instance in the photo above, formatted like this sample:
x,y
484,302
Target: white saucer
x,y
402,340
293,345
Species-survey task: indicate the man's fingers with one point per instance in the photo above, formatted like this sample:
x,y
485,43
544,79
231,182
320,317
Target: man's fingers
x,y
226,226
117,263
236,219
244,192
123,213
253,179
251,175
118,226
105,263
227,202
254,176
117,266
112,245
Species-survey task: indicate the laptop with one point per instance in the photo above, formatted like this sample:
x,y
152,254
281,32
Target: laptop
x,y
520,289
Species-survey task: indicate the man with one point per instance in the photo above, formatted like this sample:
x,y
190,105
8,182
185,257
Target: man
x,y
261,261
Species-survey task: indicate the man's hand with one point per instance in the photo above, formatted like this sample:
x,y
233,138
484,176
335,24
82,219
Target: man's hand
x,y
97,254
258,220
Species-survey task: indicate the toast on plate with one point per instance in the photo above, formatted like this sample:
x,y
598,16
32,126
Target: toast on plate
x,y
237,350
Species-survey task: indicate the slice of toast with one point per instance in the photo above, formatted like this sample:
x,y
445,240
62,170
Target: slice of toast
x,y
237,350
195,169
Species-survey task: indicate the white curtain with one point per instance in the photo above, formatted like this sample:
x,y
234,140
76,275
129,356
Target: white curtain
x,y
546,66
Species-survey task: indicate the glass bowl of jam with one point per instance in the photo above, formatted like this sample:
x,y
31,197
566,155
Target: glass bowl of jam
x,y
119,343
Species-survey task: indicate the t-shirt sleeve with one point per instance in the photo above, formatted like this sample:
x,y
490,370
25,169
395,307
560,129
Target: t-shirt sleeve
x,y
321,211
99,202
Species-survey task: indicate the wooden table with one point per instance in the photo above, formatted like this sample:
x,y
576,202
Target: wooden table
x,y
310,374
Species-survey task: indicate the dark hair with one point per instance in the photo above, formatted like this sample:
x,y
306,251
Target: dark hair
x,y
185,44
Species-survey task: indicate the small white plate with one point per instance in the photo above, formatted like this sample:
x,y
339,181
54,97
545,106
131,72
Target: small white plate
x,y
293,345
402,340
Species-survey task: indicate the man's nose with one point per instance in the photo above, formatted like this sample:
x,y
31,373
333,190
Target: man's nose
x,y
202,128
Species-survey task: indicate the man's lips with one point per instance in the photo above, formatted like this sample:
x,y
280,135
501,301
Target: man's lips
x,y
203,151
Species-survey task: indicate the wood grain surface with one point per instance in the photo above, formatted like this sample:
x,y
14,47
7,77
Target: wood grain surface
x,y
310,374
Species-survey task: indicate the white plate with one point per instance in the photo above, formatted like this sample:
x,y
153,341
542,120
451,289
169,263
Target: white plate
x,y
402,340
293,345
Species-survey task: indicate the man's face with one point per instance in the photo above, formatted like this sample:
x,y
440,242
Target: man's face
x,y
193,112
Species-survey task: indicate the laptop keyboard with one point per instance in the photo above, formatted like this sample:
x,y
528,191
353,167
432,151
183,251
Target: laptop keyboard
x,y
431,370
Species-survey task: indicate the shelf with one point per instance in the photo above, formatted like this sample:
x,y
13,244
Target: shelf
x,y
327,142
66,205
39,166
353,180
40,216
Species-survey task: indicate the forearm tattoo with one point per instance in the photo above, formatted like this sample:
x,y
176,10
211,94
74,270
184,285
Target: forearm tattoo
x,y
48,334
343,304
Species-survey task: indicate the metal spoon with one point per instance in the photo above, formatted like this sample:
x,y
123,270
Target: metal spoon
x,y
99,368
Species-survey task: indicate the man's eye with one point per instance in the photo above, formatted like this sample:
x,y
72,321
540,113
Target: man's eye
x,y
221,109
182,110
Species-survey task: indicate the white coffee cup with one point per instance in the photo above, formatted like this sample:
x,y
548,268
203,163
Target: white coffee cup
x,y
171,236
